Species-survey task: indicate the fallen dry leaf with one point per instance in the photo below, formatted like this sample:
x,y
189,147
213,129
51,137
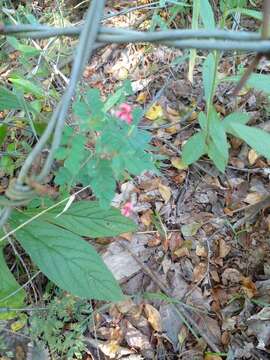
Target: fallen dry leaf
x,y
155,112
153,316
253,198
178,163
142,97
199,272
201,250
252,157
165,192
212,357
249,287
231,275
224,248
190,229
146,217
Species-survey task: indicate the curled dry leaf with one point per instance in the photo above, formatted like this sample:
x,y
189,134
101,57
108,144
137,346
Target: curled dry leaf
x,y
224,248
199,272
165,192
155,112
249,287
153,316
201,250
231,275
252,157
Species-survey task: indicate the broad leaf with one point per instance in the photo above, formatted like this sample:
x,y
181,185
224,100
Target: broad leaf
x,y
254,137
194,148
218,135
209,80
216,156
8,100
259,82
9,286
28,86
3,133
248,12
207,15
236,117
86,218
67,260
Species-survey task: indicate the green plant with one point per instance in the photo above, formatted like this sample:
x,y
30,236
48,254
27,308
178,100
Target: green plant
x,y
211,140
105,149
60,327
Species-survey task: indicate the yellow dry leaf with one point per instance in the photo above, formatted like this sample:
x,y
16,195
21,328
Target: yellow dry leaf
x,y
153,316
141,98
165,192
212,357
155,112
121,73
178,163
252,157
17,325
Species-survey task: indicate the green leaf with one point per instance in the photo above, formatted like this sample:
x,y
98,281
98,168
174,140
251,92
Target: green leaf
x,y
259,82
28,87
8,100
26,50
67,260
203,120
207,15
76,154
258,139
3,132
236,117
209,80
248,12
102,181
86,218
218,135
194,148
8,286
216,156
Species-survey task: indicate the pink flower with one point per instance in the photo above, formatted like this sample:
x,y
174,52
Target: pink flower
x,y
127,209
124,113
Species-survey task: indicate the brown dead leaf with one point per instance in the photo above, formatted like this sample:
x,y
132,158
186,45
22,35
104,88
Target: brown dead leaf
x,y
252,157
181,252
175,241
249,287
153,316
201,250
231,275
142,97
214,275
224,248
146,217
154,241
212,357
165,192
135,339
199,272
253,198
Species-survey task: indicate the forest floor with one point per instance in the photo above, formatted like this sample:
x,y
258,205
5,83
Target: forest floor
x,y
202,248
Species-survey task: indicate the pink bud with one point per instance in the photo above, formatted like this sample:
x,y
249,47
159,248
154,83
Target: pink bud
x,y
127,209
125,113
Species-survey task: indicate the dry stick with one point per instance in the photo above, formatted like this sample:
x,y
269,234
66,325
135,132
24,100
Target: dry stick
x,y
165,290
265,34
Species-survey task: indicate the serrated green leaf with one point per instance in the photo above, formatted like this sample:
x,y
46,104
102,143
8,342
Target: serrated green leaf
x,y
76,154
236,117
67,260
8,286
194,148
102,181
209,80
86,218
218,135
207,15
258,139
216,156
